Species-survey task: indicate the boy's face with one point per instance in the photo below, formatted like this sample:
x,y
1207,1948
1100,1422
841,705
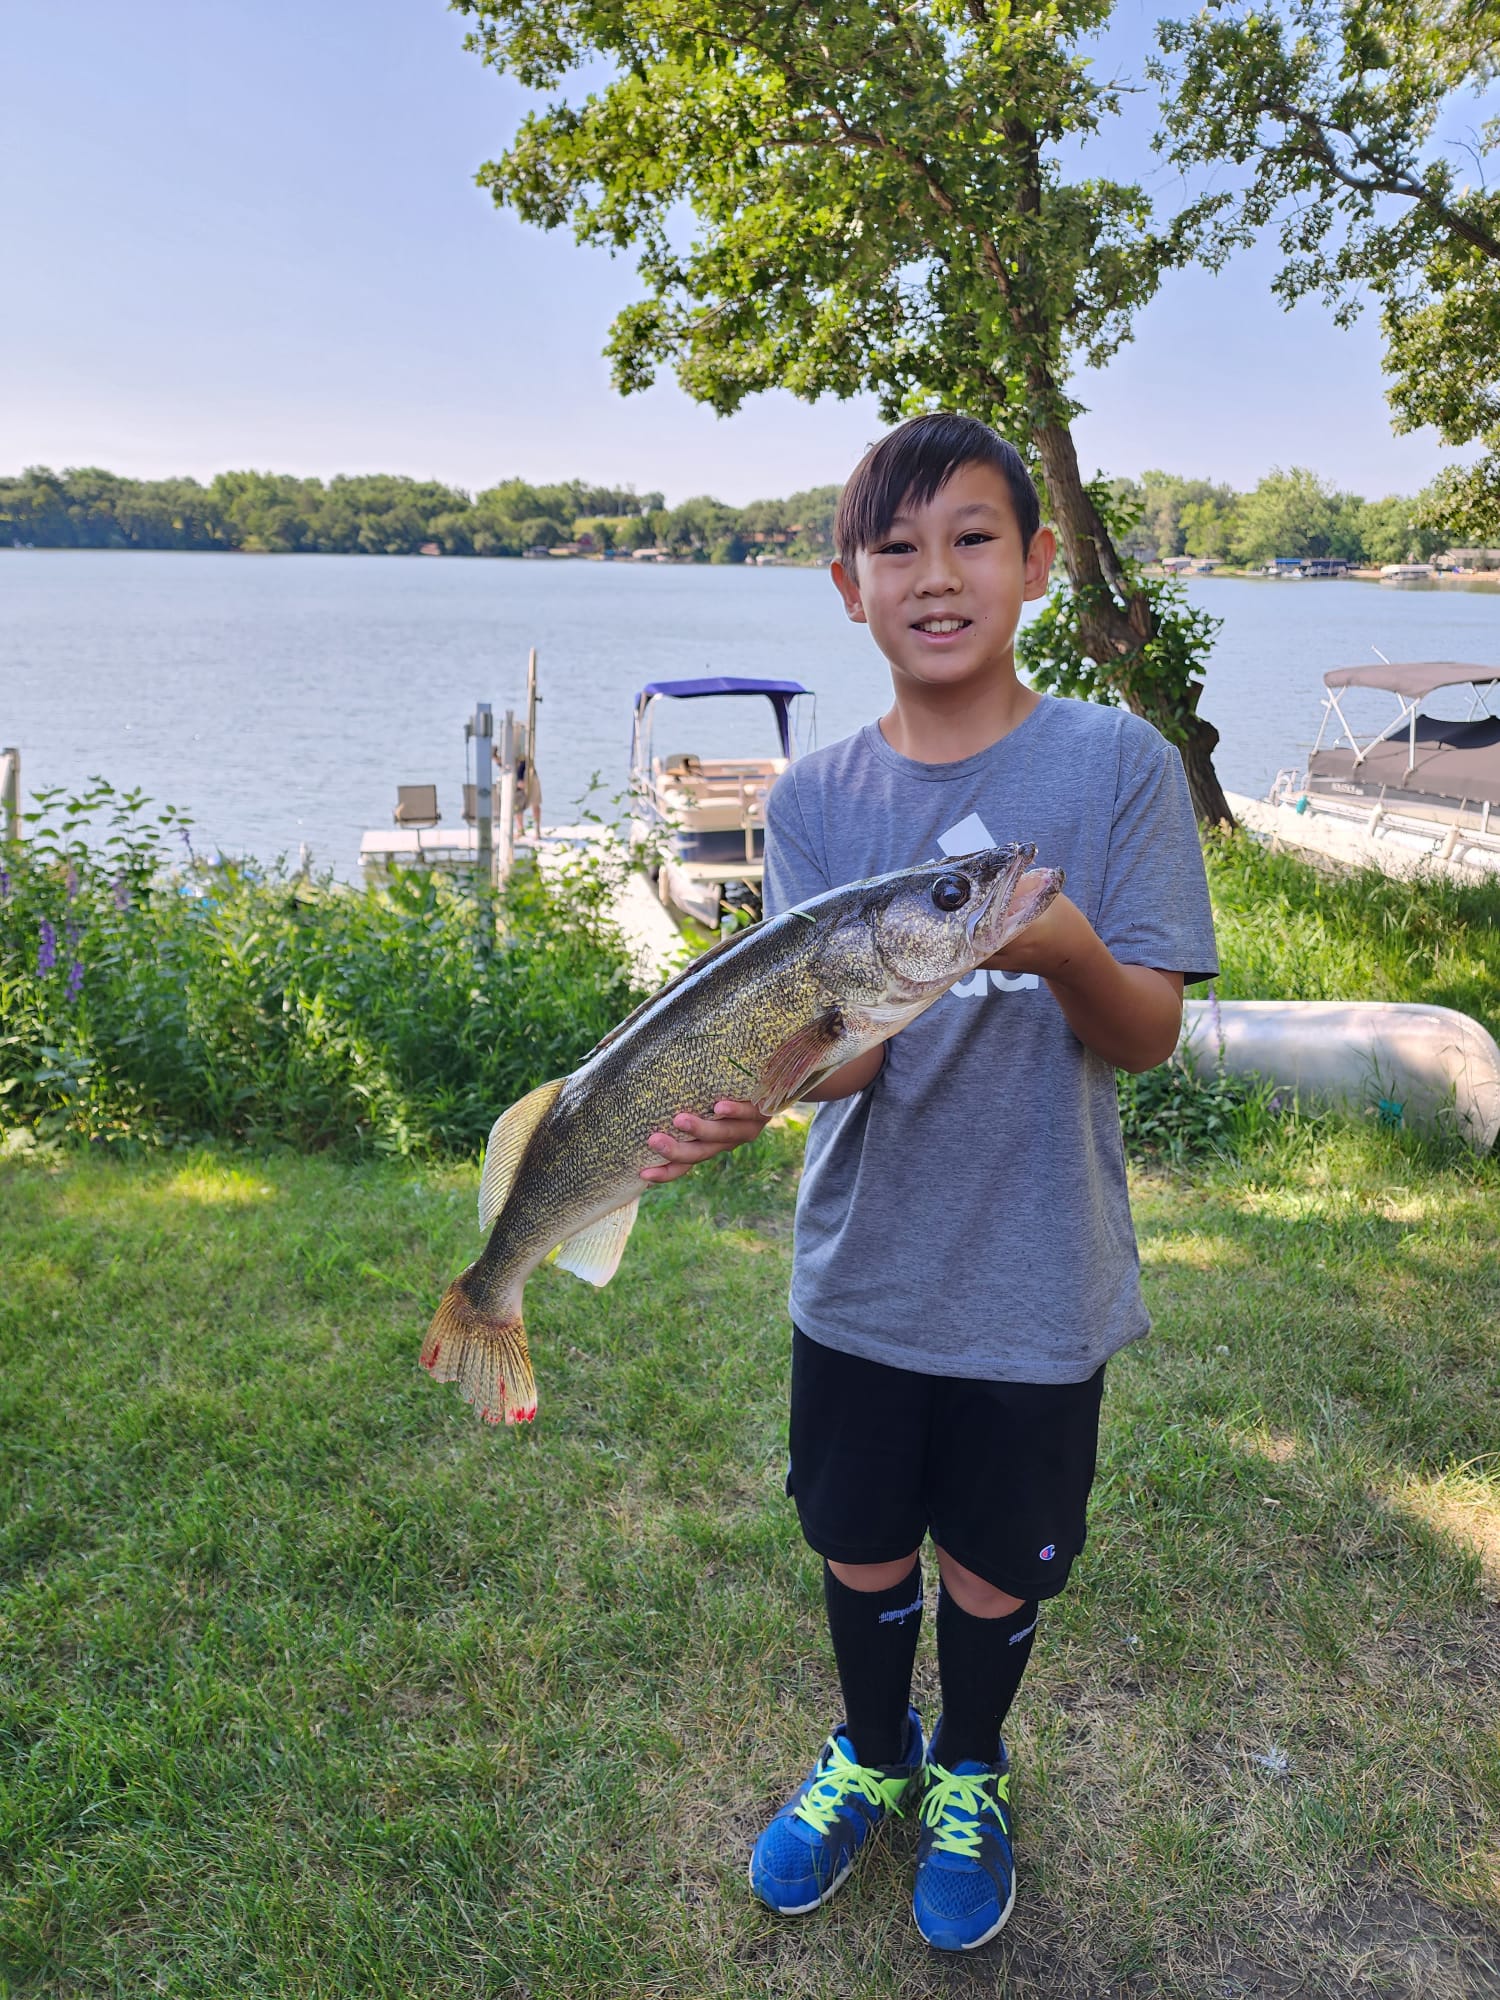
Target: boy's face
x,y
942,589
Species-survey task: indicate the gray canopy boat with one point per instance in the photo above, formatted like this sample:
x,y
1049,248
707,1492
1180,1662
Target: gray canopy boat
x,y
1422,790
1420,763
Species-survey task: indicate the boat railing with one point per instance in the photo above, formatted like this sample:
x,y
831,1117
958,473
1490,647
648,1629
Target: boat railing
x,y
1287,786
1393,818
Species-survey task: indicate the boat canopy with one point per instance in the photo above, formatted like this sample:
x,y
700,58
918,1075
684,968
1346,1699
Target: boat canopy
x,y
1450,760
780,694
1412,679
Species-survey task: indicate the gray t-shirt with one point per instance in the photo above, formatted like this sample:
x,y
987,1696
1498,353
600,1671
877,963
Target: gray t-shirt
x,y
967,1214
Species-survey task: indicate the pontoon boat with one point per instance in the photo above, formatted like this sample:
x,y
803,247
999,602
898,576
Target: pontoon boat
x,y
1421,792
705,815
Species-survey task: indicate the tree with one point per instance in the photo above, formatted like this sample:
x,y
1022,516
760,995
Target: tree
x,y
1335,108
1393,530
880,205
1165,499
1293,513
1209,524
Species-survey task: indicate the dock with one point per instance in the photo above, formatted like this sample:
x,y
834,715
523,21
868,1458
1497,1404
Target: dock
x,y
658,947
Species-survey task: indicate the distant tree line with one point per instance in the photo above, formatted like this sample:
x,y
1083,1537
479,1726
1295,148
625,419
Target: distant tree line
x,y
1291,513
384,514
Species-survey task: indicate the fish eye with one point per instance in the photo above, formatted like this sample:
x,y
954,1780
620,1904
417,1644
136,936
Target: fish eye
x,y
950,892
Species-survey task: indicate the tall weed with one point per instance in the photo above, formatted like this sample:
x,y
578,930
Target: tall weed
x,y
1289,930
148,995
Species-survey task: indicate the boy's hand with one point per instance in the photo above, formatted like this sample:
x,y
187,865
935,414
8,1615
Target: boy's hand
x,y
1129,1014
692,1139
1051,942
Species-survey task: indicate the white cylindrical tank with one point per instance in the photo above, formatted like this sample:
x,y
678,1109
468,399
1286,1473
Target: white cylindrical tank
x,y
1439,1066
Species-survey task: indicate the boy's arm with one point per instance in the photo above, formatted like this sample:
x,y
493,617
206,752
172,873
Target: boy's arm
x,y
1129,1014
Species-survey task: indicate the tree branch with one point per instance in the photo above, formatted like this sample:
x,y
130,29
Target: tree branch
x,y
1385,179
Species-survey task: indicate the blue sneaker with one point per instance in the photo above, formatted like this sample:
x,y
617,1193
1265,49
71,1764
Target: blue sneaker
x,y
966,1871
810,1846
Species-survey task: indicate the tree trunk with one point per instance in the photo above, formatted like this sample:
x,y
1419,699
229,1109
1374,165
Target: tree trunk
x,y
1115,621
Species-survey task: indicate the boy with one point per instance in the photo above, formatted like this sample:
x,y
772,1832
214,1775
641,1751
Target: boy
x,y
965,1263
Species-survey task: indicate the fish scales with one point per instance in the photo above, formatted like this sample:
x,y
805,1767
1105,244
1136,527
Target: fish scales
x,y
759,1018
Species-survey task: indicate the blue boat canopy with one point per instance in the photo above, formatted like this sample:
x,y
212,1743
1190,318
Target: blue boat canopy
x,y
780,694
721,684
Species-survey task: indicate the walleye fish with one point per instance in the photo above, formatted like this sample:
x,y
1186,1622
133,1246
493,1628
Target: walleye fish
x,y
761,1017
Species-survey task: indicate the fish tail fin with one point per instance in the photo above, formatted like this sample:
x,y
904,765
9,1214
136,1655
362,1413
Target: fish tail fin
x,y
486,1357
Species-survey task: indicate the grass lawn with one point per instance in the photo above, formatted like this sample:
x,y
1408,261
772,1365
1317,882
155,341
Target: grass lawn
x,y
309,1684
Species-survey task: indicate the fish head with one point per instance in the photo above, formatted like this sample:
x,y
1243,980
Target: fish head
x,y
933,924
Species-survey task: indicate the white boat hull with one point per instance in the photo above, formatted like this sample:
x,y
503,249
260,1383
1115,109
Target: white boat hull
x,y
1440,1066
1398,844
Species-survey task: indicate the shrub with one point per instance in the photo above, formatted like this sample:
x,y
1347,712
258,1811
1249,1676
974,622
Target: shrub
x,y
1182,1111
148,995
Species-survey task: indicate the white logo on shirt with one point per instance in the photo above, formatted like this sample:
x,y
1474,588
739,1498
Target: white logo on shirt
x,y
967,838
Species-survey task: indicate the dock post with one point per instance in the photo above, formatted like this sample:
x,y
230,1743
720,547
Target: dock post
x,y
507,843
482,730
10,794
531,702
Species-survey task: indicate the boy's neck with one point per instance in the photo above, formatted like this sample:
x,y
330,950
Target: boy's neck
x,y
943,725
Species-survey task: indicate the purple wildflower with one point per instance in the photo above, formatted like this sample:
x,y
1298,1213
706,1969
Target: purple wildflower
x,y
73,931
1218,1021
121,891
46,950
75,978
4,884
70,882
187,839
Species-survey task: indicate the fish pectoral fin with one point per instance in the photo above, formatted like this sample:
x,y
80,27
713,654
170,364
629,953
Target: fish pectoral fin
x,y
799,1058
594,1253
506,1147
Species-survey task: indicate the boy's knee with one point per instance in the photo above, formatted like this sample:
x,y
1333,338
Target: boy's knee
x,y
971,1593
875,1576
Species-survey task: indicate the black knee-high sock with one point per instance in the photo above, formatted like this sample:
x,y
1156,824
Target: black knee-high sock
x,y
980,1664
874,1636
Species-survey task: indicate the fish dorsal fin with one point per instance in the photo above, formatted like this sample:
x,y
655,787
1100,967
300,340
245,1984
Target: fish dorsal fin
x,y
594,1253
694,965
506,1146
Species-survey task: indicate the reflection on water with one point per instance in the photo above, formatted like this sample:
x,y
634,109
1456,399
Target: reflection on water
x,y
282,699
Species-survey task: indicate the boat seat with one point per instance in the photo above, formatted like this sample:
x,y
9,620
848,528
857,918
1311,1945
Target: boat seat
x,y
416,805
1479,734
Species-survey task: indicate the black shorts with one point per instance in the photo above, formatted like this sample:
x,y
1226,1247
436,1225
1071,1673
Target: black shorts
x,y
997,1472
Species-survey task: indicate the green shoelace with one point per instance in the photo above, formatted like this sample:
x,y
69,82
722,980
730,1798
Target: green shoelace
x,y
819,1808
952,1806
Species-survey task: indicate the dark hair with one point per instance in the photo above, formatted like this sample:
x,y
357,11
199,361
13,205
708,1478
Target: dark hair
x,y
912,463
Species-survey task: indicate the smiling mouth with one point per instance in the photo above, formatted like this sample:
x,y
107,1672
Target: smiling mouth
x,y
939,628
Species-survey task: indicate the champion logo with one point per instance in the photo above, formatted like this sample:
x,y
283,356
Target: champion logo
x,y
1046,1554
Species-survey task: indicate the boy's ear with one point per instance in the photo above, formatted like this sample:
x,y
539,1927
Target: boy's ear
x,y
847,585
1039,558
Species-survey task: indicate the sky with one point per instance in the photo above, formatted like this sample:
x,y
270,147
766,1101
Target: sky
x,y
248,234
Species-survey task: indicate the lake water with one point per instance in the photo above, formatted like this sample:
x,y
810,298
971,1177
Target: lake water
x,y
281,699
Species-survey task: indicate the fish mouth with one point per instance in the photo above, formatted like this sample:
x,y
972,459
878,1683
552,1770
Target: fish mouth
x,y
1007,907
1014,860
